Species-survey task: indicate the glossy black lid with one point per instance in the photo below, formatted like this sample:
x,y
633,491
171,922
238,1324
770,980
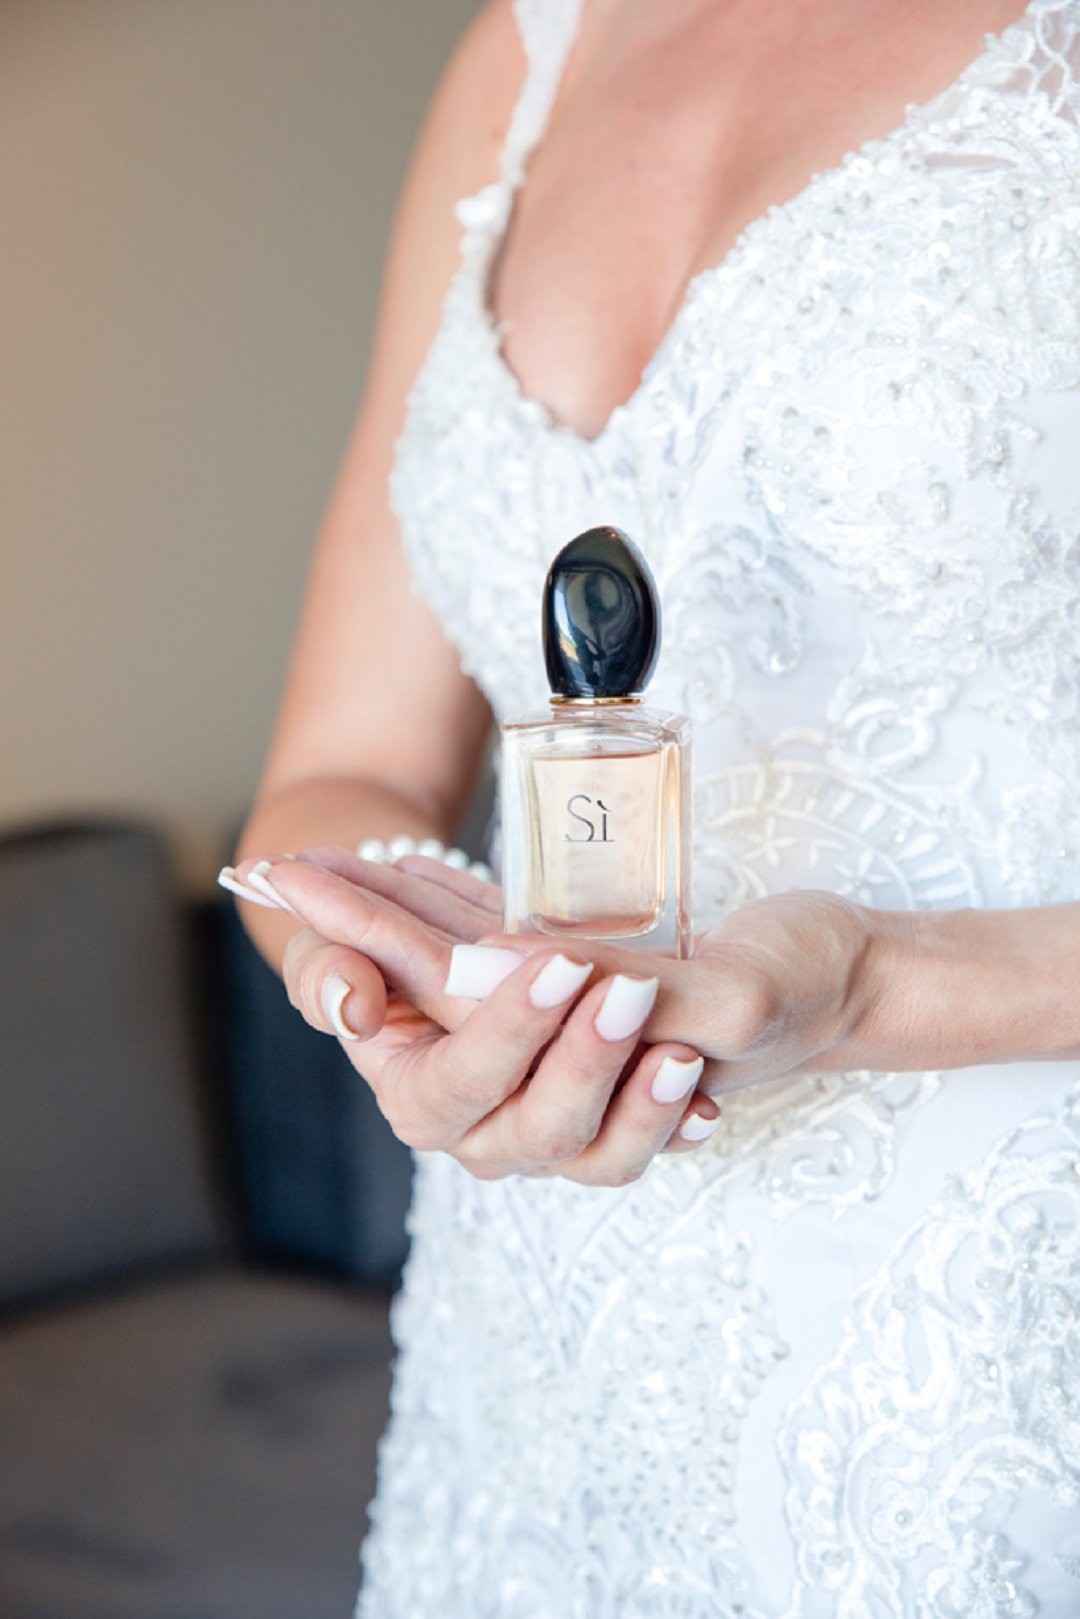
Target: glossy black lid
x,y
601,617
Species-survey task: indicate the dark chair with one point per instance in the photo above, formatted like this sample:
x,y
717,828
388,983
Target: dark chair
x,y
201,1216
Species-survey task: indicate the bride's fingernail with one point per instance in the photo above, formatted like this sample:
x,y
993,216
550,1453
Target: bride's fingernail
x,y
335,992
477,969
557,980
696,1128
674,1079
258,879
625,1007
228,879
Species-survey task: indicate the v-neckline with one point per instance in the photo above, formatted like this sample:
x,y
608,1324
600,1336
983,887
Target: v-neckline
x,y
775,214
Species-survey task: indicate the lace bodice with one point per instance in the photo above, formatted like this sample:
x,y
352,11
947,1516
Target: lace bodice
x,y
848,465
827,1367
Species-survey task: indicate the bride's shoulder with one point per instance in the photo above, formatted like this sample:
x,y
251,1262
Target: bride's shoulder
x,y
492,42
473,102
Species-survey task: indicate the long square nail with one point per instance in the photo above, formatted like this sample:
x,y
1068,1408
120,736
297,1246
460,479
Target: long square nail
x,y
477,969
228,879
625,1007
557,980
258,879
674,1079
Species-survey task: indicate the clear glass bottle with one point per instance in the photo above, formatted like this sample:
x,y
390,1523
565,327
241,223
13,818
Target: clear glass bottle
x,y
595,790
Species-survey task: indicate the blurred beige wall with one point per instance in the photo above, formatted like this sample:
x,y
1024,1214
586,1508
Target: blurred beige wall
x,y
194,203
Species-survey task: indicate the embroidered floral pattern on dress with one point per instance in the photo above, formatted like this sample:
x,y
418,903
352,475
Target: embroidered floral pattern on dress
x,y
970,1334
595,1474
847,466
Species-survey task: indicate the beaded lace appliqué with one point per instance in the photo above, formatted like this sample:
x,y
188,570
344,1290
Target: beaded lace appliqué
x,y
956,1392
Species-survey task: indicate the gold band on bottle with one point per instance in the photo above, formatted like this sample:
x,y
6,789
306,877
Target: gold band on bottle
x,y
590,702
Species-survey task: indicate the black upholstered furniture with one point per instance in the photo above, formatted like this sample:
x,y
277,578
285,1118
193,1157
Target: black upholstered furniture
x,y
201,1214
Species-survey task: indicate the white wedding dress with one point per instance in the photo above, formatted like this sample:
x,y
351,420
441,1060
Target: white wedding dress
x,y
828,1365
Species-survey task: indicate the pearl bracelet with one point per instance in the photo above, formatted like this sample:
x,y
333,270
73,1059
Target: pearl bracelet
x,y
457,859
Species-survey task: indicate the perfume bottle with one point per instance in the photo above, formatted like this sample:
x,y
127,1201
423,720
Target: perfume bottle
x,y
595,790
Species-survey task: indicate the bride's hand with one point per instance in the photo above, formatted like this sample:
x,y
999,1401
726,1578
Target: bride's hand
x,y
547,1076
786,983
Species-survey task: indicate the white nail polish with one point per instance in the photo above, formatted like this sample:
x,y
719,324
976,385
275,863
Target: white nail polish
x,y
257,878
626,1006
675,1079
695,1128
228,879
335,992
477,969
557,980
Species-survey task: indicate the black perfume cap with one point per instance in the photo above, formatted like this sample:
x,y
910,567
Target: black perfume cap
x,y
601,617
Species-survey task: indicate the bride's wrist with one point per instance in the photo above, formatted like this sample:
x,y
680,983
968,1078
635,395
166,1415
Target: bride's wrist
x,y
960,988
884,1027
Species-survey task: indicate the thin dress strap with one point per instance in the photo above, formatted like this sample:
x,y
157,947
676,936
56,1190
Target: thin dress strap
x,y
548,29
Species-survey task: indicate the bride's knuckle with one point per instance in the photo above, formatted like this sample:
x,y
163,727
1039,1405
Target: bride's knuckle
x,y
416,1129
517,1025
463,1087
624,1174
533,1142
544,1141
481,1169
749,1009
602,1172
364,934
568,1143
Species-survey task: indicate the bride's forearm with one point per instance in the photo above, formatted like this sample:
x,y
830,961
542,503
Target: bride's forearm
x,y
323,810
949,989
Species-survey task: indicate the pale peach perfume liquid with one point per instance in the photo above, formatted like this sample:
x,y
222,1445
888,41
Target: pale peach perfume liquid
x,y
596,824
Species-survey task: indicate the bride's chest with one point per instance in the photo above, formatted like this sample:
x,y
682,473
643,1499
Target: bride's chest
x,y
664,144
823,408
